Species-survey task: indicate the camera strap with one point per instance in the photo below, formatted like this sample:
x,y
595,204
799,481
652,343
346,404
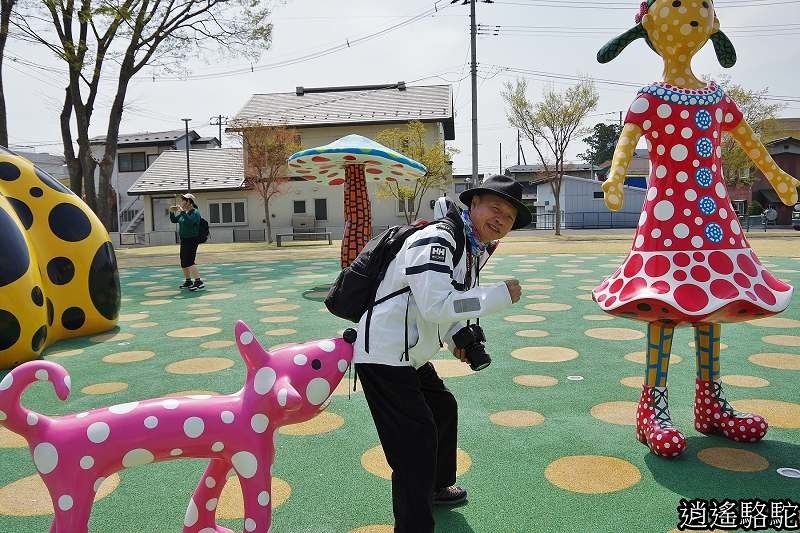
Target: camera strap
x,y
405,326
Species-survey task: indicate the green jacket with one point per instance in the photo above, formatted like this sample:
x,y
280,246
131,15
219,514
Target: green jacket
x,y
188,223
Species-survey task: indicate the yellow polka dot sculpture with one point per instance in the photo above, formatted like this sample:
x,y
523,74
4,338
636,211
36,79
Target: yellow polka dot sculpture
x,y
58,271
691,263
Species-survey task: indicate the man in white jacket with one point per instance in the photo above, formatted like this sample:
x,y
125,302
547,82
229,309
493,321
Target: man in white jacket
x,y
415,414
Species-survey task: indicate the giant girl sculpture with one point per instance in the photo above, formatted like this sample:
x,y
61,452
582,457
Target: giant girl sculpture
x,y
690,263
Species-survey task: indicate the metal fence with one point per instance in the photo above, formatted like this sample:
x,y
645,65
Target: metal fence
x,y
586,220
249,235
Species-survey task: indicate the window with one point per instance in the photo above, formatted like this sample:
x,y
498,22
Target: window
x,y
405,206
132,162
299,207
598,194
227,212
151,158
460,187
740,206
321,209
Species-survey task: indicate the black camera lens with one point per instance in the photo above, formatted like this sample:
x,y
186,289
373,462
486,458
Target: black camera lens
x,y
469,339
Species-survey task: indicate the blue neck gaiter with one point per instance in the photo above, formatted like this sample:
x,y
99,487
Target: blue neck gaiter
x,y
475,245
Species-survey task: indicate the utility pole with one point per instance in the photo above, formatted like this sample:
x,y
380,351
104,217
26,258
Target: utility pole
x,y
620,119
186,143
501,159
220,120
519,147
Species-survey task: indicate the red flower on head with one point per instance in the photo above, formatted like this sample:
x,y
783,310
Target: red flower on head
x,y
642,12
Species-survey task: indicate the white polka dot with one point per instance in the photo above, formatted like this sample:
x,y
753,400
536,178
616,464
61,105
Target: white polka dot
x,y
98,482
2,415
664,210
660,150
684,114
45,457
82,415
342,365
175,452
211,482
735,228
171,404
667,242
245,464
647,124
65,502
227,417
6,382
719,188
661,171
718,151
318,390
681,231
263,498
264,380
723,213
98,432
728,117
259,423
651,193
151,422
687,212
250,525
669,192
656,233
698,221
718,114
326,346
246,338
41,374
211,504
300,359
192,515
679,152
697,241
640,105
217,447
193,427
682,176
669,129
282,395
686,133
32,419
664,111
639,241
123,408
86,462
690,194
137,457
642,218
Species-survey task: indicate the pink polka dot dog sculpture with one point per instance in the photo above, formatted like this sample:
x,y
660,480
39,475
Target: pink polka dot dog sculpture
x,y
75,453
690,263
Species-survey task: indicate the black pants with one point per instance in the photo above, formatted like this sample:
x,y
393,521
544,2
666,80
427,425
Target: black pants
x,y
417,422
189,251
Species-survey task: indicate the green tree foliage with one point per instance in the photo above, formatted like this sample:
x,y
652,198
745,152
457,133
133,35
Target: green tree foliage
x,y
601,143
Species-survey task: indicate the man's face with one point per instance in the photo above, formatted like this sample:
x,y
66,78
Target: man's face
x,y
492,216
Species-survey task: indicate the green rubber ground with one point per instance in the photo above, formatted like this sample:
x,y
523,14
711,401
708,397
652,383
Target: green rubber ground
x,y
520,479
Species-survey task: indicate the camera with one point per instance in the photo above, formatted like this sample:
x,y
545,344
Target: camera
x,y
470,339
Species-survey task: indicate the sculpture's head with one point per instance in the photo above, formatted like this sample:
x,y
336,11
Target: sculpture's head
x,y
674,28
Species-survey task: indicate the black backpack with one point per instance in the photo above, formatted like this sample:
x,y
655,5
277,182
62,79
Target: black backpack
x,y
353,292
204,231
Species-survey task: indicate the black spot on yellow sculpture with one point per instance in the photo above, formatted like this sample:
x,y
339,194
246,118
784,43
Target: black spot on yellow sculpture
x,y
58,271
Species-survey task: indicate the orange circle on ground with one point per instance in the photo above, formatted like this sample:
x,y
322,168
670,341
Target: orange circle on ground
x,y
528,319
548,306
516,418
199,365
598,318
112,337
188,333
156,302
374,462
451,368
532,333
324,422
733,459
783,361
104,388
203,311
619,413
778,414
231,503
9,439
278,319
775,322
129,357
140,325
536,287
782,340
382,528
345,387
750,382
133,316
537,296
211,345
544,354
278,307
585,297
64,353
641,358
29,497
592,474
534,380
280,332
614,334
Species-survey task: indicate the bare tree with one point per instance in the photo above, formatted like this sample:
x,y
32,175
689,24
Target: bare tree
x,y
266,149
6,8
550,125
129,35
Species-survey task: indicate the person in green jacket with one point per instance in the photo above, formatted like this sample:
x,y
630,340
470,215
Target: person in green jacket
x,y
187,217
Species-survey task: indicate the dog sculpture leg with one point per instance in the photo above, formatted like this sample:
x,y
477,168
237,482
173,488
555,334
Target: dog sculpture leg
x,y
257,502
72,511
201,514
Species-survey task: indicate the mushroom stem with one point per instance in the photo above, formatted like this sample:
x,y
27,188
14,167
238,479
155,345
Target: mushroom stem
x,y
357,214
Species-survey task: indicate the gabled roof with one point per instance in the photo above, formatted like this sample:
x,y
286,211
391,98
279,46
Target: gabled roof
x,y
147,138
329,106
211,170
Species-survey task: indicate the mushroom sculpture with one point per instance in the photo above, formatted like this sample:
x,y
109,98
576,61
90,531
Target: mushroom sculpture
x,y
354,160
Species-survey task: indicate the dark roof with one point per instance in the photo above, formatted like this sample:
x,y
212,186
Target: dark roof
x,y
147,138
211,170
329,106
783,140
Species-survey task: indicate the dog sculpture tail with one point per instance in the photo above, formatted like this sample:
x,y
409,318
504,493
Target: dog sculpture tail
x,y
12,414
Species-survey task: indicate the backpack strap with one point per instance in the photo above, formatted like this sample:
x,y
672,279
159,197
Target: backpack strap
x,y
371,307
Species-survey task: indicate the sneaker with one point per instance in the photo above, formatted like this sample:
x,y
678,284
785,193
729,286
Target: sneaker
x,y
186,284
198,284
449,496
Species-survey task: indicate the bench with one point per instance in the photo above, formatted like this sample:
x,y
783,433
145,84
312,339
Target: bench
x,y
304,228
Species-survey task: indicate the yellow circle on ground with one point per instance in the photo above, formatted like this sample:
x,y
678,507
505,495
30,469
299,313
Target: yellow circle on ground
x,y
533,333
278,307
516,418
374,462
218,296
592,474
577,271
322,423
198,305
548,306
186,333
231,503
640,357
211,345
345,387
586,287
451,368
538,296
133,316
279,332
534,380
278,319
382,528
585,297
162,293
219,282
104,388
783,361
156,302
141,283
598,318
733,459
185,393
620,413
29,497
199,365
750,382
778,414
634,382
203,311
64,353
782,340
129,357
544,354
536,287
524,318
538,280
112,337
203,319
9,439
614,334
775,322
140,325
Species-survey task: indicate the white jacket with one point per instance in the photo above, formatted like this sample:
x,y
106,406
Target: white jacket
x,y
437,303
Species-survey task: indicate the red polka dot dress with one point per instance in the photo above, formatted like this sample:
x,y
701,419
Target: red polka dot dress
x,y
690,261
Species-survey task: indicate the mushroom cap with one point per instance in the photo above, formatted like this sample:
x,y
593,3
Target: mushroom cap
x,y
325,164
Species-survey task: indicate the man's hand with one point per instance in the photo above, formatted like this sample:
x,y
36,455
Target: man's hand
x,y
461,354
514,290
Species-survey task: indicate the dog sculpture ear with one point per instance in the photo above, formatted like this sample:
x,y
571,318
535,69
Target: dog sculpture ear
x,y
253,354
288,397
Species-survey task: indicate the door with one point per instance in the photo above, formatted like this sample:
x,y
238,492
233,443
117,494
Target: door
x,y
161,221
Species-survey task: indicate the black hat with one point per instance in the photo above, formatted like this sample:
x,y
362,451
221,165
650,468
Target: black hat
x,y
506,188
